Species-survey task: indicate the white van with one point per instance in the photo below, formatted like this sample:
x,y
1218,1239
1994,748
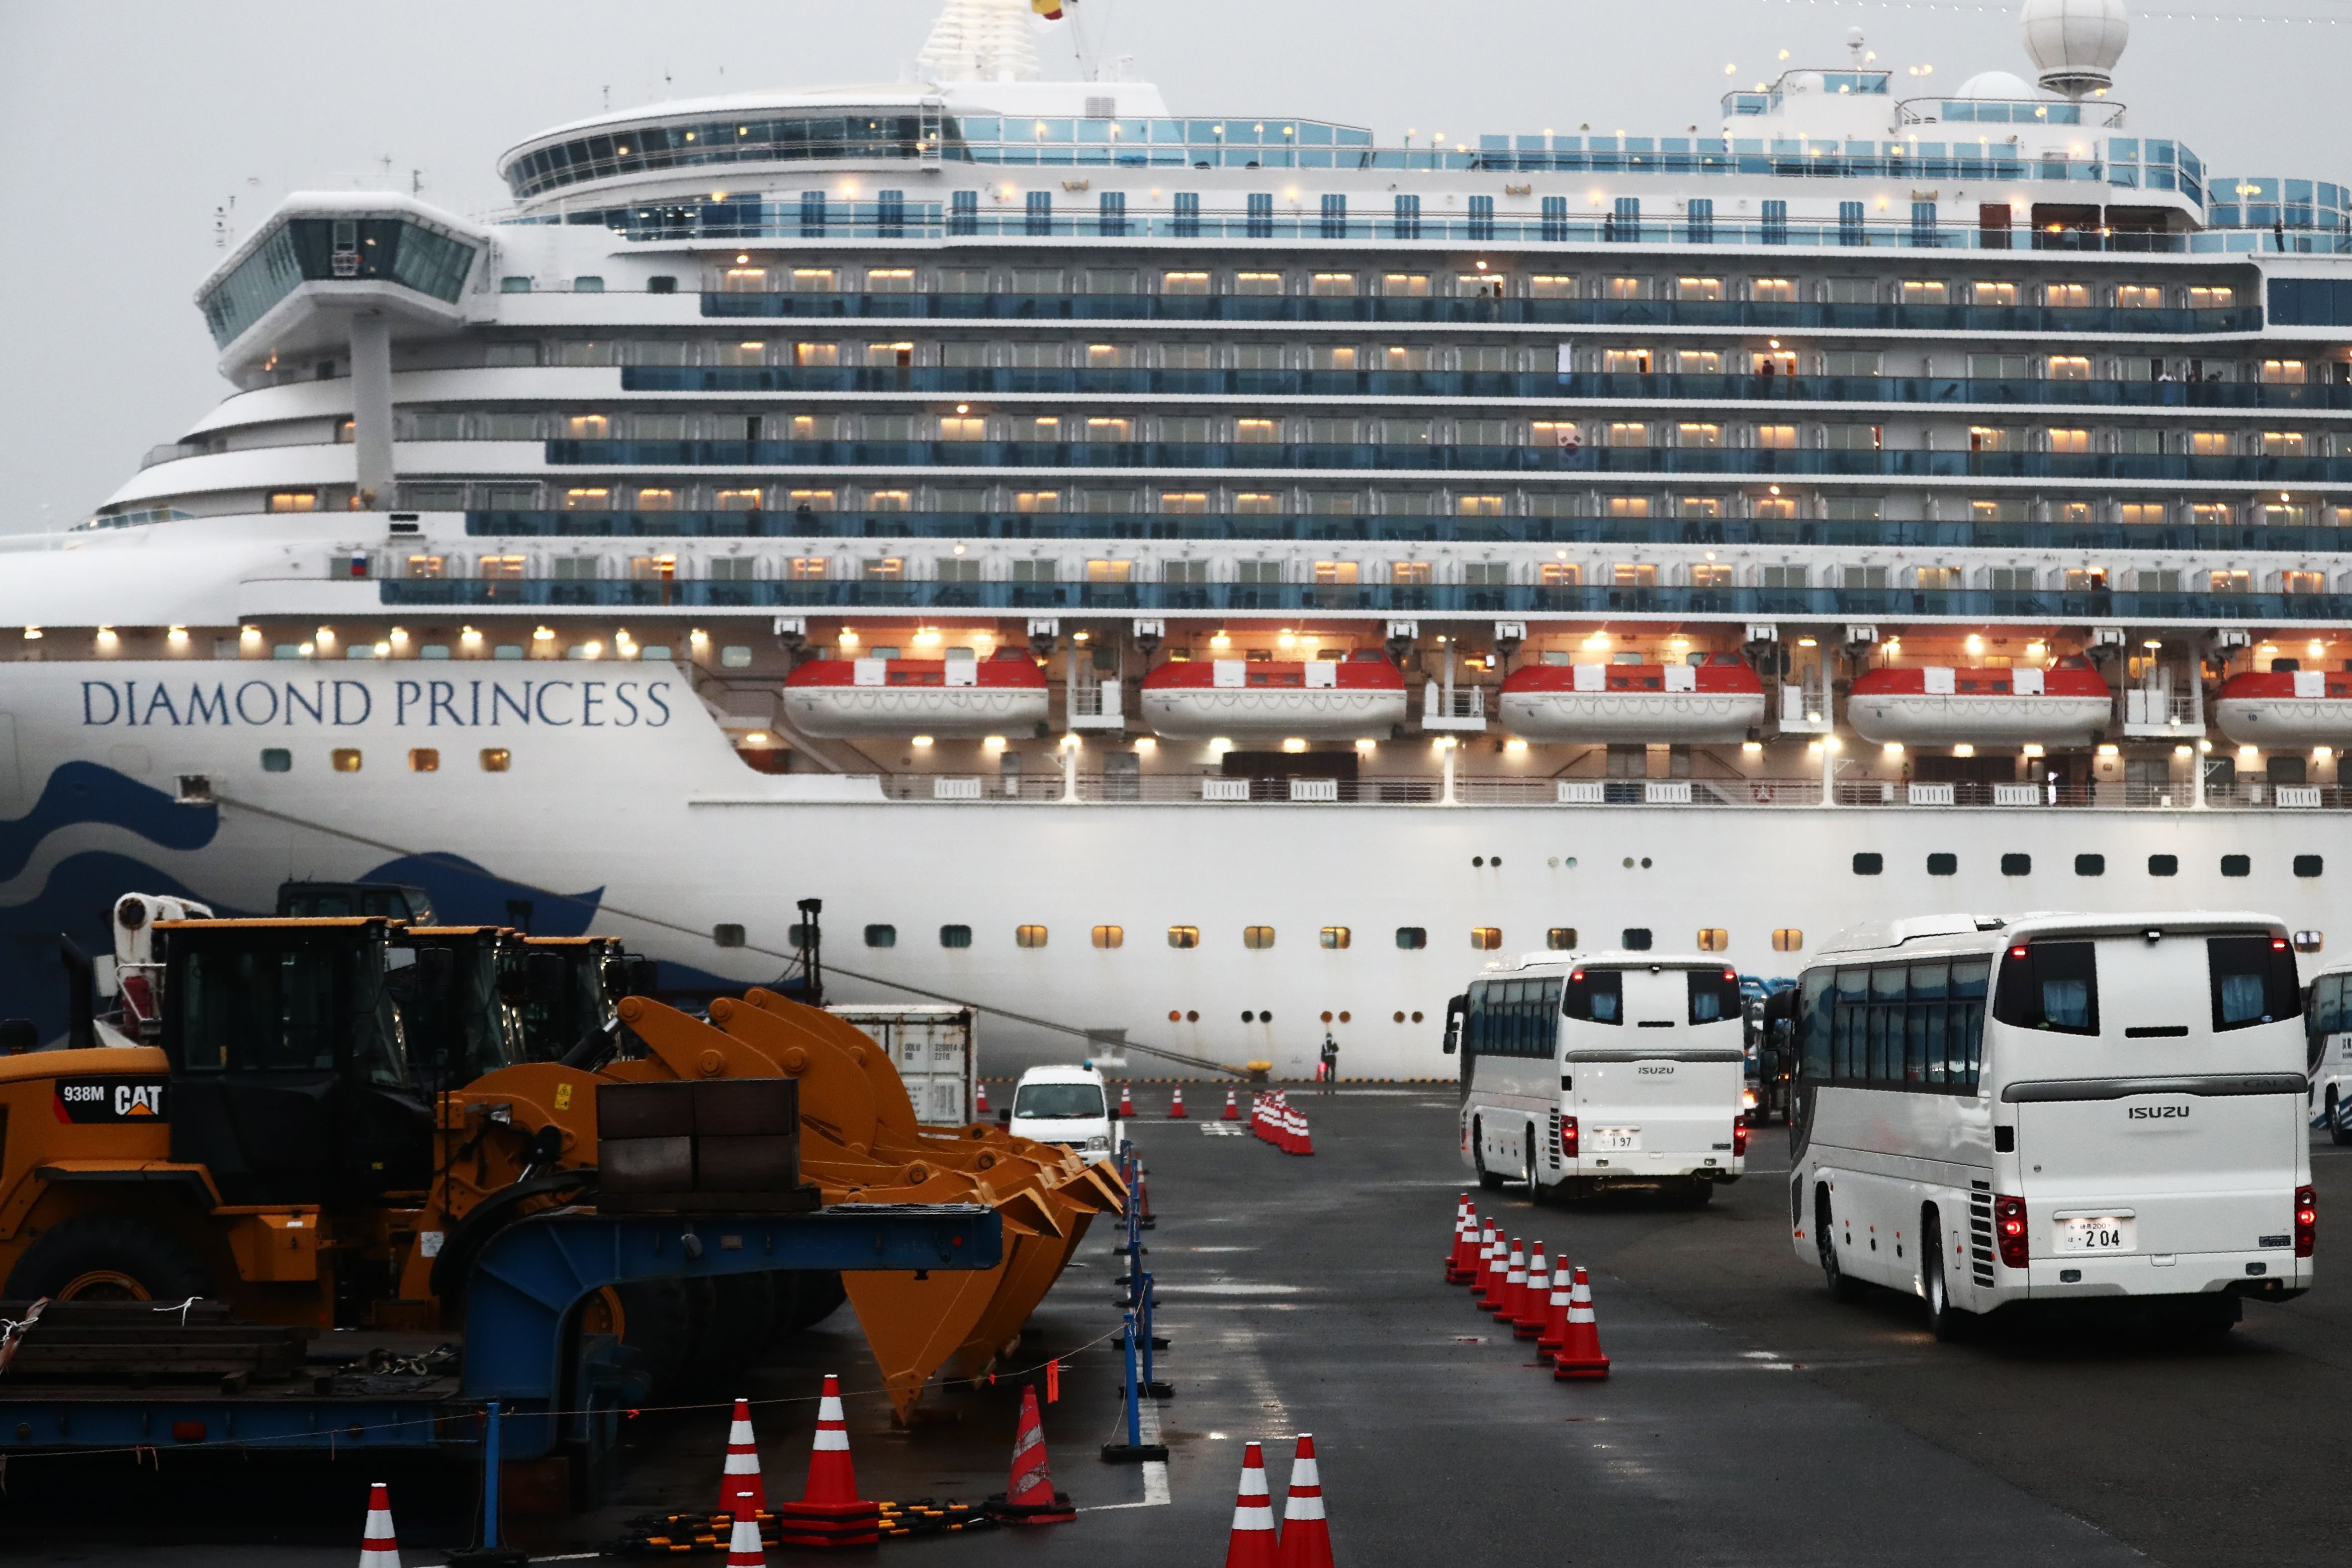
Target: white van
x,y
1064,1105
1582,1072
2052,1108
2327,1036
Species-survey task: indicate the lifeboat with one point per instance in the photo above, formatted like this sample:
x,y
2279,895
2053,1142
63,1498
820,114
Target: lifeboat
x,y
2067,704
1314,699
1720,700
2286,708
964,698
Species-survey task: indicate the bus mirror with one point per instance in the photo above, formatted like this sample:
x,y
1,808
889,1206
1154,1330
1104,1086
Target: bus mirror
x,y
1449,1039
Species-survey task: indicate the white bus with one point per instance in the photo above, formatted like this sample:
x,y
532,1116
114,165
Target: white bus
x,y
2060,1107
2327,1033
1581,1071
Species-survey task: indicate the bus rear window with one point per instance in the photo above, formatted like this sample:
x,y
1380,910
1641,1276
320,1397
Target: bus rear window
x,y
1714,996
2052,986
2253,981
1595,995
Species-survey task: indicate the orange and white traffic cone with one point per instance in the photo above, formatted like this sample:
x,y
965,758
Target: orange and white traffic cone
x,y
830,1512
1535,1301
1579,1355
1126,1102
1453,1247
1233,1111
1029,1496
1305,1532
1555,1329
1302,1140
743,1548
1176,1111
1490,1267
1461,1264
1145,1219
1253,1543
980,1098
378,1549
1506,1307
741,1493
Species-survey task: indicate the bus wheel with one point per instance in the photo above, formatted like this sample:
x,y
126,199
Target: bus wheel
x,y
1487,1180
1947,1322
1843,1287
2337,1131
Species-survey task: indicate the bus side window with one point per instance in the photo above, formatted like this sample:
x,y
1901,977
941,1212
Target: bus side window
x,y
1848,1060
1814,1017
1923,1050
1966,1041
1474,1026
1546,1020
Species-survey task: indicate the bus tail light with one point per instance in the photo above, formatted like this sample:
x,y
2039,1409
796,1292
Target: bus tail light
x,y
1739,1135
2306,1220
2009,1226
1567,1137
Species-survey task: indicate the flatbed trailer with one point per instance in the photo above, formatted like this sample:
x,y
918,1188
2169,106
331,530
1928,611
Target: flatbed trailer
x,y
557,1387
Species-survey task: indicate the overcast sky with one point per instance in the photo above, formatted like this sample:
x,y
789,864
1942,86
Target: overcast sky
x,y
126,123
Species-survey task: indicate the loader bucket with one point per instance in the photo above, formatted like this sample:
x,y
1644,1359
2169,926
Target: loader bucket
x,y
1029,1272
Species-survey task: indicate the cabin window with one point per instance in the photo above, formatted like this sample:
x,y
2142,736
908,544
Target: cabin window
x,y
1788,939
1486,938
1029,936
727,937
2164,865
1637,939
1942,864
2016,865
1257,938
2237,866
1560,939
424,759
497,759
1109,936
1713,939
277,759
2308,865
955,936
881,936
2090,865
1338,937
1869,863
345,760
1413,938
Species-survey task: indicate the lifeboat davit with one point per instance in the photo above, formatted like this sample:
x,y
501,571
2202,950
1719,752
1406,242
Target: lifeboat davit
x,y
2066,704
1314,699
962,698
2286,708
1720,700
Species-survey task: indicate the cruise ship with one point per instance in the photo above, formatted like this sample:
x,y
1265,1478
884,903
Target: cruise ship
x,y
1204,585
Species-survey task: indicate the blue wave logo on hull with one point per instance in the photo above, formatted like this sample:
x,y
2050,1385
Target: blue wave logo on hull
x,y
79,792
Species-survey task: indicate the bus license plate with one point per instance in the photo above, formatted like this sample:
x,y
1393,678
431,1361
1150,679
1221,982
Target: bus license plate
x,y
2104,1233
1615,1140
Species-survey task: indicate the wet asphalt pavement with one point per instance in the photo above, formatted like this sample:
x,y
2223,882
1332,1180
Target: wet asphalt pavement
x,y
1749,1419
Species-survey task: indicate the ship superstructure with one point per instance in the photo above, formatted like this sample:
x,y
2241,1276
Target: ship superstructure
x,y
994,440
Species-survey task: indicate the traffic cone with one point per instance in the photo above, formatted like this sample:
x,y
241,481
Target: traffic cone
x,y
1126,1102
1176,1111
830,1513
1029,1496
1145,1220
741,1493
1488,1278
1253,1543
1306,1533
980,1101
1465,1243
1535,1301
1555,1329
377,1547
1579,1355
743,1548
1302,1138
1233,1111
1506,1307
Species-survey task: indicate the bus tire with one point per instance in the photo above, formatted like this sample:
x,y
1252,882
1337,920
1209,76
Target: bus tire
x,y
1487,1180
1947,1322
1843,1287
2337,1131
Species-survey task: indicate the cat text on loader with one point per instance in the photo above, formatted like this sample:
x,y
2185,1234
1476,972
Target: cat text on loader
x,y
860,1143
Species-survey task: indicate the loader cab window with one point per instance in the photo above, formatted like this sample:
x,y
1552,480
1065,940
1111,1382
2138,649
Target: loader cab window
x,y
289,1006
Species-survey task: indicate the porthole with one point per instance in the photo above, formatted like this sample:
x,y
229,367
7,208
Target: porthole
x,y
497,759
955,936
1637,939
277,759
1249,1017
1477,859
1788,939
424,759
1192,1016
727,936
2308,865
1343,1015
1109,937
1412,937
345,760
2090,865
1869,863
1184,936
1029,936
881,936
1399,1017
2237,866
1943,864
1560,939
1174,1015
2016,865
1416,1018
1486,938
1337,937
1257,938
2164,865
1714,939
1327,1017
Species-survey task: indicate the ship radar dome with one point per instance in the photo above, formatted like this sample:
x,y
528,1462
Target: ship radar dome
x,y
1994,85
2075,43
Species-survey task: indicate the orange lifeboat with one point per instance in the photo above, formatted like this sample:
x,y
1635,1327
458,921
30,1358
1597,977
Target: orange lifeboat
x,y
1312,699
2066,704
2288,708
963,698
1720,700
